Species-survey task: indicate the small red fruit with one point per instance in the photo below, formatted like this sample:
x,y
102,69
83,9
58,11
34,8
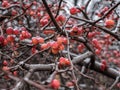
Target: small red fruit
x,y
67,62
28,35
5,3
44,46
23,33
60,40
9,30
109,23
16,32
69,84
80,47
15,73
33,50
21,37
14,12
55,45
64,40
32,12
61,47
43,22
5,68
10,38
75,29
55,51
5,42
97,51
73,10
102,67
95,41
64,61
5,63
60,18
35,40
41,40
91,34
104,62
55,84
38,14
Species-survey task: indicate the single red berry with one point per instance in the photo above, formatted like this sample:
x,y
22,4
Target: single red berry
x,y
38,14
109,23
61,47
41,40
104,62
95,41
75,29
15,73
35,40
69,84
28,35
60,18
73,10
23,33
60,40
118,85
55,45
44,46
98,46
5,63
67,62
14,12
80,47
10,38
9,30
80,31
91,34
62,61
16,32
64,40
55,51
97,51
21,37
99,14
33,50
55,84
102,67
5,68
32,13
5,42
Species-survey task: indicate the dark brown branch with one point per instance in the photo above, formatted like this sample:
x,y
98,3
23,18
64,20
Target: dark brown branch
x,y
51,16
